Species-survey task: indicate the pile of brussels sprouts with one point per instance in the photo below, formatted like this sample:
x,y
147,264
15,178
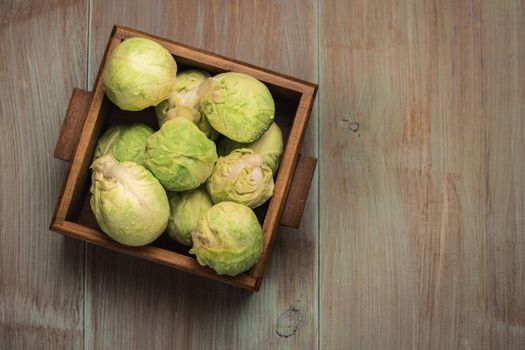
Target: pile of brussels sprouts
x,y
178,179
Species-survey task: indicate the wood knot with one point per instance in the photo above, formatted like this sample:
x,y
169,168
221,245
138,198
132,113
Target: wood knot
x,y
289,321
354,126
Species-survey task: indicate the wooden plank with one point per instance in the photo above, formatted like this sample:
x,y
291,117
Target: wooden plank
x,y
422,199
41,273
190,312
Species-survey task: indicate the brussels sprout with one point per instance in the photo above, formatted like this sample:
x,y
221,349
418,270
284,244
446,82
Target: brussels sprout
x,y
125,142
180,155
186,208
269,145
242,177
237,105
184,102
228,238
129,203
138,74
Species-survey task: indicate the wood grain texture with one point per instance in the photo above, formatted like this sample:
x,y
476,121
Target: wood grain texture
x,y
151,253
72,124
41,273
421,209
299,190
221,61
422,200
171,308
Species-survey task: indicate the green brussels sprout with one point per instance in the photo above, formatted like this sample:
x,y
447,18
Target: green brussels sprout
x,y
180,155
186,208
228,238
242,177
125,142
184,102
237,105
139,73
129,203
269,145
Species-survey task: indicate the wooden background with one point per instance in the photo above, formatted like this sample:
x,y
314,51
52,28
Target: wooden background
x,y
414,233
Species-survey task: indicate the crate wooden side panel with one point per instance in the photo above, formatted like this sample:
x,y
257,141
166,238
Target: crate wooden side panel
x,y
154,254
228,64
283,180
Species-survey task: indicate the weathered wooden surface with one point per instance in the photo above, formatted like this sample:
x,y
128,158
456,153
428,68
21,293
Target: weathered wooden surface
x,y
422,200
42,57
159,307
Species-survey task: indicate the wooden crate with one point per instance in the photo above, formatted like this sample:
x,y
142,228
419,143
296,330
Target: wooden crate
x,y
90,113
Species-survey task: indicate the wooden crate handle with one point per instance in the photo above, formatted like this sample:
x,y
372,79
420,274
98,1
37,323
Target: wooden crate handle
x,y
76,116
296,200
73,123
